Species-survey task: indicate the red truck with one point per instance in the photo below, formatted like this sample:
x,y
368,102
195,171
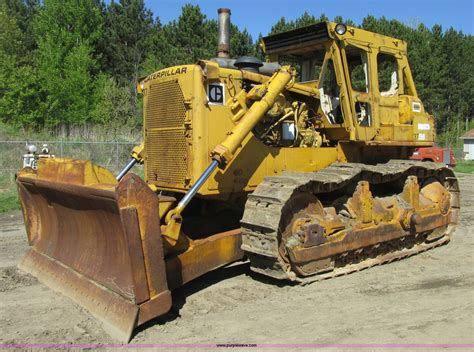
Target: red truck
x,y
436,154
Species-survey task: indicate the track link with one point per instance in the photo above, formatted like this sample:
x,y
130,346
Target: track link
x,y
263,211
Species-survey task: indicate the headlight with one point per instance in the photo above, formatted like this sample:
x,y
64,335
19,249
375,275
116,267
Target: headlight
x,y
341,28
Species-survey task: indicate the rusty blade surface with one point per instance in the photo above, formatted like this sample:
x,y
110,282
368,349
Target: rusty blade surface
x,y
94,240
79,226
116,315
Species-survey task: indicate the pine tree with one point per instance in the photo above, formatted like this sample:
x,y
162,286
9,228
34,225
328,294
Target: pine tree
x,y
126,40
23,12
241,43
190,38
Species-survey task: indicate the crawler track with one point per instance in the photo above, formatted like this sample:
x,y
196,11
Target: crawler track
x,y
261,220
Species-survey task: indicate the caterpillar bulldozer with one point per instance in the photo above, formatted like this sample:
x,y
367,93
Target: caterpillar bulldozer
x,y
299,165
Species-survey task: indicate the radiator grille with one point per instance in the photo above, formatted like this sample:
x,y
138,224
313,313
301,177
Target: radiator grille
x,y
165,141
165,107
166,152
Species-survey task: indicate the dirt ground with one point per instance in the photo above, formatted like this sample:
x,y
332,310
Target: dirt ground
x,y
428,298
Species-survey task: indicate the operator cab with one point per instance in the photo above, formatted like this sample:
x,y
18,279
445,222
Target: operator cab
x,y
363,79
308,50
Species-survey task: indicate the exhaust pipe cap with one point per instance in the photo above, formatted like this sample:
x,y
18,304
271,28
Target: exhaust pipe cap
x,y
223,43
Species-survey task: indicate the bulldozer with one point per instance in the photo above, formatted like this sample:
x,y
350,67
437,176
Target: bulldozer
x,y
299,165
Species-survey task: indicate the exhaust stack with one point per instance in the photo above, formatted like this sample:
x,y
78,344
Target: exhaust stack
x,y
223,46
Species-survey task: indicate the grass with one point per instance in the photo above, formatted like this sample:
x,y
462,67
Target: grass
x,y
99,133
9,201
8,194
465,166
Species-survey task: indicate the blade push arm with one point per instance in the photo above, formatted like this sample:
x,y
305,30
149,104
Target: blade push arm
x,y
136,157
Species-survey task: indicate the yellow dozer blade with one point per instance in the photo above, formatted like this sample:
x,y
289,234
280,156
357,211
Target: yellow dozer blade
x,y
96,241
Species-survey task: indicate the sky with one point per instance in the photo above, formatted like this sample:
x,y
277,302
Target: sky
x,y
258,16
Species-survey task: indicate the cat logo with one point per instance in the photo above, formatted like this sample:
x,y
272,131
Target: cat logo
x,y
215,93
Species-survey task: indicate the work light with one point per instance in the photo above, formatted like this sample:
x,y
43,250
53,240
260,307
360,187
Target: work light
x,y
341,28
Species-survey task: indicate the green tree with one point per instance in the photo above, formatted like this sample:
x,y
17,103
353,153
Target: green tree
x,y
66,33
114,104
11,43
78,61
23,12
156,58
20,95
126,40
241,43
189,38
340,19
459,55
125,45
192,37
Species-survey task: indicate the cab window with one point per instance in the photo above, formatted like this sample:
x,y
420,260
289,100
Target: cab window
x,y
358,69
387,68
329,94
311,67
